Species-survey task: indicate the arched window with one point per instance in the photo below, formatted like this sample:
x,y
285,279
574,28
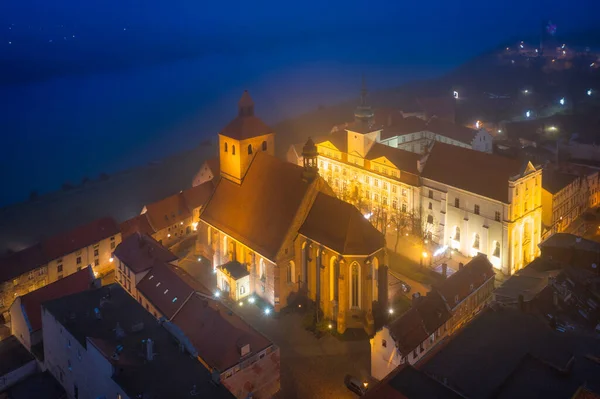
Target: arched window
x,y
264,146
225,147
261,269
233,149
375,277
476,241
457,233
290,271
332,277
354,285
496,249
249,149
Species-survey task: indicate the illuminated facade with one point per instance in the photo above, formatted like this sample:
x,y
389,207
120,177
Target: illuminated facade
x,y
563,200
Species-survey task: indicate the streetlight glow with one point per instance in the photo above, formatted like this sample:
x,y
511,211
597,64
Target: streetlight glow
x,y
589,92
424,254
391,311
527,114
251,299
562,101
267,311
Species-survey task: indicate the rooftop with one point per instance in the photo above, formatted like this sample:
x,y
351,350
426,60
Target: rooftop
x,y
400,126
168,211
139,252
404,160
341,227
124,322
554,181
137,224
37,386
235,269
474,171
452,130
568,241
245,125
13,355
202,320
71,284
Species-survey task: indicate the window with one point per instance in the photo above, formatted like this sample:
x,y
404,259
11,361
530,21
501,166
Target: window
x,y
430,193
376,182
367,179
368,194
42,271
59,268
476,241
414,354
456,202
354,287
385,185
232,150
517,190
384,201
497,216
78,260
395,204
457,233
430,219
421,349
384,343
430,205
403,207
375,197
264,146
404,192
394,189
456,299
30,276
242,290
476,209
96,252
496,249
249,149
225,148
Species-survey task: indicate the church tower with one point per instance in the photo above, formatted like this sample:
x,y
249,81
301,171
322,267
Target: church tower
x,y
363,132
309,156
242,139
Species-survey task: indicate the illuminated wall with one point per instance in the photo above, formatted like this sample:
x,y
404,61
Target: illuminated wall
x,y
235,156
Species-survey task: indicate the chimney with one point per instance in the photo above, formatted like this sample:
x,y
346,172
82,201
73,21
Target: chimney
x,y
444,270
521,303
149,349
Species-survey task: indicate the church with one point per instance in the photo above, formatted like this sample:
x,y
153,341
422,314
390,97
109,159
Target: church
x,y
276,230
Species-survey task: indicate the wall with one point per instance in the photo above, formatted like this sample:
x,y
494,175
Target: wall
x,y
464,311
9,379
261,370
482,141
18,325
234,166
203,175
22,285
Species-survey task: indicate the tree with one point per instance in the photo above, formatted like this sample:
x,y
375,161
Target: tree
x,y
401,221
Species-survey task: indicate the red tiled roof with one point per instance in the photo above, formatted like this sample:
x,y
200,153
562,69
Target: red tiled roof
x,y
475,273
139,252
216,333
21,262
80,237
168,211
214,165
259,212
74,283
138,224
402,126
196,197
452,130
341,227
339,139
470,170
165,289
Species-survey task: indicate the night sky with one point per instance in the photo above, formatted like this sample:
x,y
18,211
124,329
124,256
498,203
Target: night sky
x,y
93,86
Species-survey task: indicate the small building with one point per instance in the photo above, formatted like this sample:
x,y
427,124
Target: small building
x,y
57,257
562,200
25,312
245,361
572,250
208,171
234,280
103,343
16,363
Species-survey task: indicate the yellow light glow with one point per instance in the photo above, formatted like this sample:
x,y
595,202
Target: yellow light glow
x,y
111,259
424,254
330,326
241,303
169,235
195,226
366,384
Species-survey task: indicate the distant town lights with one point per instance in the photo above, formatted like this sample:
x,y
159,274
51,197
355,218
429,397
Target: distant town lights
x,y
251,299
424,254
552,128
589,92
195,226
478,124
169,235
217,294
562,101
527,114
455,93
241,303
391,311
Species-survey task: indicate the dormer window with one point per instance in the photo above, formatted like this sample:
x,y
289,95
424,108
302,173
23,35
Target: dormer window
x,y
471,287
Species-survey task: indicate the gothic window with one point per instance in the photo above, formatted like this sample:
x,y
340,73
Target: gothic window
x,y
430,206
233,149
476,209
264,146
430,193
261,270
457,233
249,149
290,272
476,241
225,148
354,287
496,249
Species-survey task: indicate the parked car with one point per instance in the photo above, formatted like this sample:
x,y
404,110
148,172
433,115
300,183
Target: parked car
x,y
355,385
405,287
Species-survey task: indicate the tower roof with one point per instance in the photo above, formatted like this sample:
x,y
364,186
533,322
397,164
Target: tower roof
x,y
246,100
246,125
363,114
309,149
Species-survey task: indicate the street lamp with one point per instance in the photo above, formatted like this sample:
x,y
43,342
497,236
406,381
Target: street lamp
x,y
562,101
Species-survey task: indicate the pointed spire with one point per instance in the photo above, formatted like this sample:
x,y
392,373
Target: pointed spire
x,y
363,113
363,91
246,105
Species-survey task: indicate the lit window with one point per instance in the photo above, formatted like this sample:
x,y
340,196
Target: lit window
x,y
385,186
394,189
225,147
403,207
430,219
233,150
496,249
457,233
376,182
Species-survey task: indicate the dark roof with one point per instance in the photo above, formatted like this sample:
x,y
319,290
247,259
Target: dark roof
x,y
28,259
136,376
470,170
339,139
341,227
80,237
37,386
406,382
71,284
137,224
168,211
568,241
217,333
510,337
554,181
404,160
363,127
401,126
165,289
235,269
13,355
139,252
198,196
419,322
259,212
452,130
474,274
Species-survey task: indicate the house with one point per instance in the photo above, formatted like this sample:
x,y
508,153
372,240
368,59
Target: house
x,y
17,363
443,311
25,312
57,257
562,200
208,171
103,343
264,214
246,362
233,278
572,250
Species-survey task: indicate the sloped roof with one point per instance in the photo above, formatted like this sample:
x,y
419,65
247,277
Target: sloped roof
x,y
259,212
80,237
339,139
214,165
452,130
140,251
71,284
196,197
245,127
168,211
470,170
13,354
554,181
235,269
165,289
21,262
402,126
138,224
341,227
476,273
202,320
404,160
